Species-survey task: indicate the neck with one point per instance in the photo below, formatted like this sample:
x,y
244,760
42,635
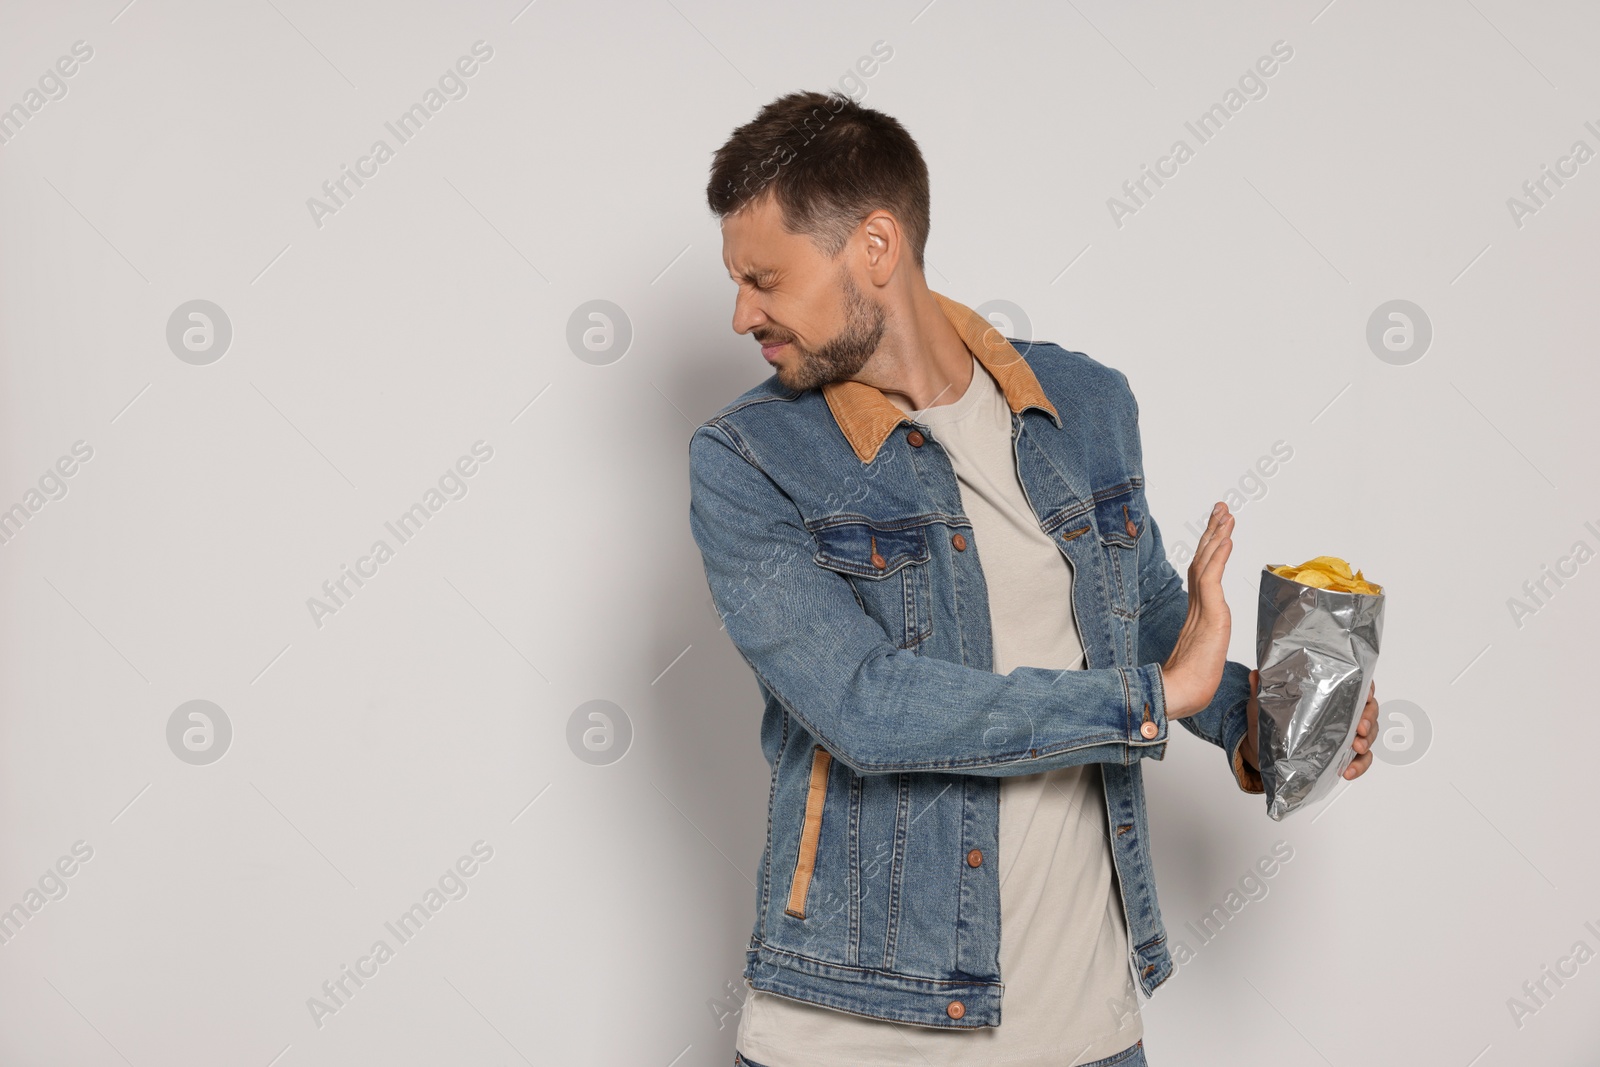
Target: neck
x,y
922,361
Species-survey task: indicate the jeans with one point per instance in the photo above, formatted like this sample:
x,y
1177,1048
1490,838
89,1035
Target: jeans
x,y
1132,1056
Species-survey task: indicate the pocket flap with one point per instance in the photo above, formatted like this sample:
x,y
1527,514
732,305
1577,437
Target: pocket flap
x,y
868,550
1119,517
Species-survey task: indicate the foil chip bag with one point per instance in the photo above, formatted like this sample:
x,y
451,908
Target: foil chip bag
x,y
1318,627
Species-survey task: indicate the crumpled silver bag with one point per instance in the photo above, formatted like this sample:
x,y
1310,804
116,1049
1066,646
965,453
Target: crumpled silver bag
x,y
1315,654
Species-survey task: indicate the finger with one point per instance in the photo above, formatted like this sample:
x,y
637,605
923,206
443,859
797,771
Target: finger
x,y
1216,526
1218,533
1205,539
1221,548
1368,727
1358,766
1217,511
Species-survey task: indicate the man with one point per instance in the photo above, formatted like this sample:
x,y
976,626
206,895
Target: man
x,y
956,817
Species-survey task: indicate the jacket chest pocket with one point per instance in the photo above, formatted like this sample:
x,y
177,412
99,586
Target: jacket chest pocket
x,y
1119,522
888,569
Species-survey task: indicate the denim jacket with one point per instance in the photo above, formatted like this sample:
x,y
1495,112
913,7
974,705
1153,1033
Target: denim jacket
x,y
848,577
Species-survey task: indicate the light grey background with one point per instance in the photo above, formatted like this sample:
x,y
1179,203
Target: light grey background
x,y
434,708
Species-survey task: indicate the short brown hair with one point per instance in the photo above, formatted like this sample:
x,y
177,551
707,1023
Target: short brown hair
x,y
829,162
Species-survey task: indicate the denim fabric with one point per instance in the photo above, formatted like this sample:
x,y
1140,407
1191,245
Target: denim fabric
x,y
855,593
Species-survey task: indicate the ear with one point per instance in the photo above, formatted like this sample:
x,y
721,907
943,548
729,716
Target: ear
x,y
884,244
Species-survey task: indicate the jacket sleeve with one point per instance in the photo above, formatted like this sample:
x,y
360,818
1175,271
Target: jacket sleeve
x,y
877,708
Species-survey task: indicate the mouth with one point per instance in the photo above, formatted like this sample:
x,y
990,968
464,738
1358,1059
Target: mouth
x,y
770,351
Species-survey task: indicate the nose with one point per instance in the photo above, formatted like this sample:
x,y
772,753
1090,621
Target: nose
x,y
747,313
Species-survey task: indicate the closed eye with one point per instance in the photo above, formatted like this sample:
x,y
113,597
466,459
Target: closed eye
x,y
761,283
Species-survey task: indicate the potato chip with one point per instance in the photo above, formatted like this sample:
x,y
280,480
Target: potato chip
x,y
1333,565
1330,573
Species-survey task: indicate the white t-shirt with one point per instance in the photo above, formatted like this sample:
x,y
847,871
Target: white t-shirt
x,y
1069,995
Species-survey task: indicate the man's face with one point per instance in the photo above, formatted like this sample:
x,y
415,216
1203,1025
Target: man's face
x,y
814,323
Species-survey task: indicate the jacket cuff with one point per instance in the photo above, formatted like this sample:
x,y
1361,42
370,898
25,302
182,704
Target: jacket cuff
x,y
1235,725
1147,709
1248,777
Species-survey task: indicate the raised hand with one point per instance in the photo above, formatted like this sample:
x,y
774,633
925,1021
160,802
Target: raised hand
x,y
1192,673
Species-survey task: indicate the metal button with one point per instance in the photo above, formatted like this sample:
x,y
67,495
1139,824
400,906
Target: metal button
x,y
975,858
1149,729
916,438
960,543
879,562
1133,531
956,1009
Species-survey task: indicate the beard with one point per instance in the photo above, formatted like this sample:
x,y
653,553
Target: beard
x,y
843,355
